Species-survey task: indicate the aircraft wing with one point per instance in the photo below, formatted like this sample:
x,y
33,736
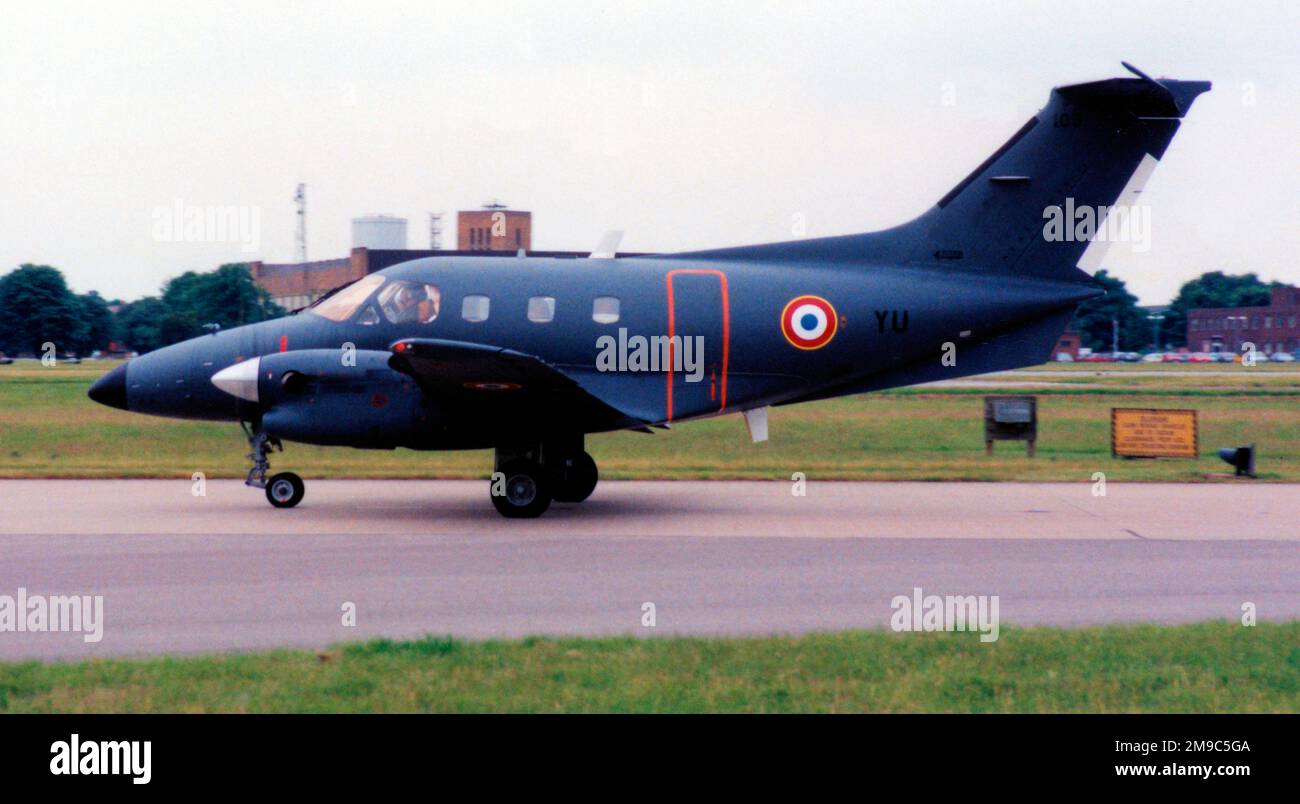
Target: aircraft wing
x,y
502,387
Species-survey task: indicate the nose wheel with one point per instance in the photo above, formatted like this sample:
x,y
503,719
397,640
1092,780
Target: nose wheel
x,y
284,489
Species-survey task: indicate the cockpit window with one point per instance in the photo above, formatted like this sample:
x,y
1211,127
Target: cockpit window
x,y
406,302
368,317
343,304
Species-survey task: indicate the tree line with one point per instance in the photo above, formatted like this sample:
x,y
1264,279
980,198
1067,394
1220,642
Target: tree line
x,y
1136,331
36,307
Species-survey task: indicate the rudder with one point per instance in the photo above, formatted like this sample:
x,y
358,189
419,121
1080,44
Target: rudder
x,y
1093,146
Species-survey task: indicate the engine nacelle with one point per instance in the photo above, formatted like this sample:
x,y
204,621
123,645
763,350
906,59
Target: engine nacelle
x,y
337,398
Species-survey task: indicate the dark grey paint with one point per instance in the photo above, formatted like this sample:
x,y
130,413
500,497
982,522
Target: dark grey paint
x,y
974,271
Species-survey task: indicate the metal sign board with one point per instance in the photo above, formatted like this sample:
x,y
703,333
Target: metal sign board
x,y
1014,410
1152,433
1010,418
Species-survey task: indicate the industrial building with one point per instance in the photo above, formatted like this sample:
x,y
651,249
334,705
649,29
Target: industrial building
x,y
297,284
1275,328
494,228
379,232
379,241
1067,344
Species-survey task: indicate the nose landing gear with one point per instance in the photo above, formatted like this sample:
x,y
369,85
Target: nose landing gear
x,y
284,489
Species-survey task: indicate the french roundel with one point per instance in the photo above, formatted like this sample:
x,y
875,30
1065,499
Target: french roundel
x,y
808,322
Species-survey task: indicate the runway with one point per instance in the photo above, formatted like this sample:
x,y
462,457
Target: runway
x,y
181,574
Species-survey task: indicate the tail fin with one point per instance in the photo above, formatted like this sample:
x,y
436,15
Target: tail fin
x,y
1092,146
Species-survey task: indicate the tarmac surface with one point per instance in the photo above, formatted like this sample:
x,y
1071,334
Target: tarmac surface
x,y
182,574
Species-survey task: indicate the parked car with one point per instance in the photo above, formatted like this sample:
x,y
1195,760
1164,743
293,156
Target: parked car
x,y
1176,357
1154,357
1130,357
1282,357
1064,357
1200,357
1223,357
1097,357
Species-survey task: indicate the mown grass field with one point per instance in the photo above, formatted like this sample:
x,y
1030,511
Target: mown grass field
x,y
48,428
1207,667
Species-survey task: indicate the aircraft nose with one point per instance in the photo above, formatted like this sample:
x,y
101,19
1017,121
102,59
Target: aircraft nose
x,y
110,389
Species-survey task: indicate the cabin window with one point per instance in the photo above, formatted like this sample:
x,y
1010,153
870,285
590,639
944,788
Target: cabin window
x,y
475,308
604,310
541,309
406,302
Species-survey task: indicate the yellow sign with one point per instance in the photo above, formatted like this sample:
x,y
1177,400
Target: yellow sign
x,y
1150,433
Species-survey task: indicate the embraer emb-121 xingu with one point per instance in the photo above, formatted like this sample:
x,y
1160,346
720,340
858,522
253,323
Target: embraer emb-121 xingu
x,y
528,355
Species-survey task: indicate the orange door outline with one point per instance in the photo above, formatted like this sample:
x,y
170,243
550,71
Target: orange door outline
x,y
726,331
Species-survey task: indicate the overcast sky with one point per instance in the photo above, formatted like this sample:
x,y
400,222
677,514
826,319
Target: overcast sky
x,y
687,124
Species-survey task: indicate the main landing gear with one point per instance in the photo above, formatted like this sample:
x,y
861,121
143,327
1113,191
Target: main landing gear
x,y
284,489
525,481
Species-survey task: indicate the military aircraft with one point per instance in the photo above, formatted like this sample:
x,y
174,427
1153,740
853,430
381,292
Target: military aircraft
x,y
528,355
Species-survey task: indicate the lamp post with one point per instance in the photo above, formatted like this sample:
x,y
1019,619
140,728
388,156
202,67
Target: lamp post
x,y
1156,319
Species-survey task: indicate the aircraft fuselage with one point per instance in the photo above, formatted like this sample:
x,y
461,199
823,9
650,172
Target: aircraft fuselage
x,y
727,316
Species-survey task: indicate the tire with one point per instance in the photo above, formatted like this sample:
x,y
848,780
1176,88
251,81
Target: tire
x,y
527,490
284,490
576,479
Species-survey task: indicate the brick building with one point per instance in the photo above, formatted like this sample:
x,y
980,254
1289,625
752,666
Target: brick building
x,y
494,228
1068,344
298,284
294,285
1275,328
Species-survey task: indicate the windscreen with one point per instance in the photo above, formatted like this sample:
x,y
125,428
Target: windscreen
x,y
343,304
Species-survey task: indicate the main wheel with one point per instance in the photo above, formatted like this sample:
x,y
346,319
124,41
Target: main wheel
x,y
285,490
576,478
524,491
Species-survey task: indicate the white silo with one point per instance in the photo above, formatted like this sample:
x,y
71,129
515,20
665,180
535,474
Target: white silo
x,y
379,232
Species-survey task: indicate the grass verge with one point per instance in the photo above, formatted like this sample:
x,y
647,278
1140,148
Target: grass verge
x,y
48,428
1205,667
